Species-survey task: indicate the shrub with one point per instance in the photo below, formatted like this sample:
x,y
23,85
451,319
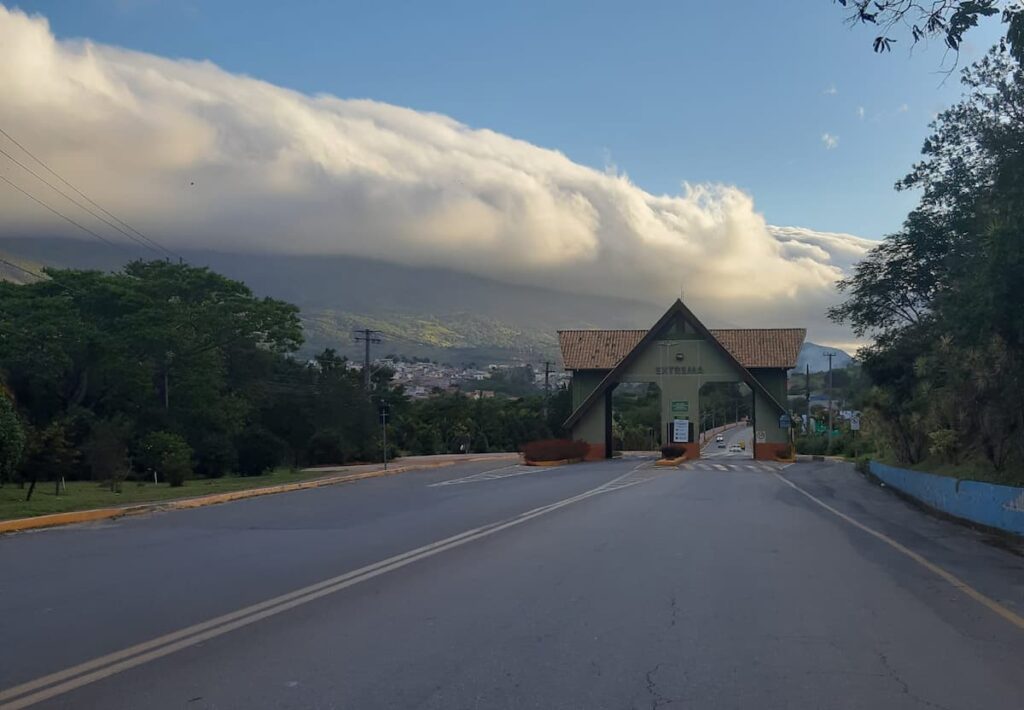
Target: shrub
x,y
863,465
813,444
258,451
215,455
555,450
168,455
672,451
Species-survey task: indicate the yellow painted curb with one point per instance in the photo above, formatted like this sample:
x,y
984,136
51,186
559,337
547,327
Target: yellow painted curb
x,y
85,516
670,462
552,464
76,516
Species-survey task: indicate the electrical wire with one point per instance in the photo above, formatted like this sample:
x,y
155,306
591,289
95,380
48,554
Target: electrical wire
x,y
85,197
60,214
71,199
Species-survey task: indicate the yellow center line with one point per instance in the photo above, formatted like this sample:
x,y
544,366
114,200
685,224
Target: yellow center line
x,y
96,669
954,581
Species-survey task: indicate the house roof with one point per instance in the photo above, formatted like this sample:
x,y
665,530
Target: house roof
x,y
752,347
676,309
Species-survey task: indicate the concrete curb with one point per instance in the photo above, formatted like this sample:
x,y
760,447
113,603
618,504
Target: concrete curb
x,y
668,463
85,516
552,464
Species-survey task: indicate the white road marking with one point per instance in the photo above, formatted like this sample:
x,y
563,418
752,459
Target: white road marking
x,y
69,679
488,475
720,467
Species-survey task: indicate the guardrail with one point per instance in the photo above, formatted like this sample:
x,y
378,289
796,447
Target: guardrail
x,y
988,504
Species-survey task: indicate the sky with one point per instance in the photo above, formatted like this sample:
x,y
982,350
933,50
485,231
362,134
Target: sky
x,y
788,104
742,152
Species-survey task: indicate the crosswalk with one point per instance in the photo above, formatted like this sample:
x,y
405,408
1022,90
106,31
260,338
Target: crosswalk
x,y
747,465
642,471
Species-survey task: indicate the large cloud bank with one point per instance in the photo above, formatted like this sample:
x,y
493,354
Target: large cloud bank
x,y
198,157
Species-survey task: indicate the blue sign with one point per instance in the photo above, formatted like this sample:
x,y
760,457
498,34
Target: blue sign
x,y
785,422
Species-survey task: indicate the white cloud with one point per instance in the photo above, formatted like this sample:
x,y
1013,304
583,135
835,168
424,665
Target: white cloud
x,y
903,108
831,90
830,141
198,157
860,112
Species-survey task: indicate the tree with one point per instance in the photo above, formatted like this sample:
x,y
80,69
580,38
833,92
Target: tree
x,y
12,439
942,297
168,455
49,456
106,452
948,19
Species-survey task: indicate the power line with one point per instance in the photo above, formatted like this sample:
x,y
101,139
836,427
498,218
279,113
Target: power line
x,y
71,199
39,276
85,197
30,272
60,214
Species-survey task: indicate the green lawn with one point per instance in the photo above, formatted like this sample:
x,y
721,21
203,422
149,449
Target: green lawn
x,y
82,495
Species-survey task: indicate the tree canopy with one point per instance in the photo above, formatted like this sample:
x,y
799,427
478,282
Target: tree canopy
x,y
949,20
942,297
174,370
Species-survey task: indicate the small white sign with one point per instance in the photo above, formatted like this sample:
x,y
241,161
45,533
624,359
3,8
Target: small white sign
x,y
681,431
762,436
855,423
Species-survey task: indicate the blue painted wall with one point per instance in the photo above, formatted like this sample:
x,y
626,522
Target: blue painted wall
x,y
986,503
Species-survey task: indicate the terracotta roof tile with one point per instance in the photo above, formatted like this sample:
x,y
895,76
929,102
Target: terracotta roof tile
x,y
752,347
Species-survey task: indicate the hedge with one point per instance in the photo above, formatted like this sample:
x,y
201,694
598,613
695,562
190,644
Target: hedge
x,y
672,451
555,450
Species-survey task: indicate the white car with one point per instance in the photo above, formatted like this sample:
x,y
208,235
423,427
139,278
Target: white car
x,y
719,439
735,449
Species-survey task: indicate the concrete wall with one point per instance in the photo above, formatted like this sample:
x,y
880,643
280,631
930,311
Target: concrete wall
x,y
590,428
583,383
988,504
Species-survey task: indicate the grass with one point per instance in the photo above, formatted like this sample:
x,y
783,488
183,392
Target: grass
x,y
83,495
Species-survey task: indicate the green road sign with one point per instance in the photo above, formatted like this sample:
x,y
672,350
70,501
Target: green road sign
x,y
680,406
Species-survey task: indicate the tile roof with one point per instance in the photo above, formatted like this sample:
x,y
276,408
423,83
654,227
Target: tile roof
x,y
752,347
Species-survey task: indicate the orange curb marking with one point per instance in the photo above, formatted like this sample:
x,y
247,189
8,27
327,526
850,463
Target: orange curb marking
x,y
85,516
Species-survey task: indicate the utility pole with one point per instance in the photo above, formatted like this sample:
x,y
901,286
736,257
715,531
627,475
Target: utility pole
x,y
807,394
167,381
547,386
384,429
367,336
830,356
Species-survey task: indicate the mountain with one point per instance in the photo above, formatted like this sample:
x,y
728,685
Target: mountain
x,y
439,313
442,314
814,355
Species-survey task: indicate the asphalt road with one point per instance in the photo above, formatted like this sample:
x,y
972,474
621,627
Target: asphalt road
x,y
731,436
625,587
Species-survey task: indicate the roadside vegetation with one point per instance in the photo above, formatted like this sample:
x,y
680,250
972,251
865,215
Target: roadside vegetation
x,y
942,298
84,495
177,372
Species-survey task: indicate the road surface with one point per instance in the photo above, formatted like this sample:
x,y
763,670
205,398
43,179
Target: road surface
x,y
607,585
732,436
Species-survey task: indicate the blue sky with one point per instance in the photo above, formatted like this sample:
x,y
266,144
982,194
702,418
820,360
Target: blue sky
x,y
741,93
